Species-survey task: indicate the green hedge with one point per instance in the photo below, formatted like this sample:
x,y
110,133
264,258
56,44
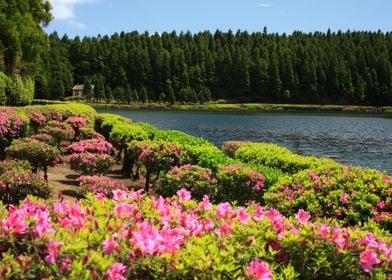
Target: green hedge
x,y
278,157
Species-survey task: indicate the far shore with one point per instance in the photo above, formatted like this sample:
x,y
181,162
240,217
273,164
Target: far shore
x,y
245,107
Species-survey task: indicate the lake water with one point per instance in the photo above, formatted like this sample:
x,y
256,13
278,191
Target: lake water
x,y
349,138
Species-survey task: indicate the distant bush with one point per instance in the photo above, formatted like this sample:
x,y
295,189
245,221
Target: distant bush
x,y
20,91
14,164
17,184
101,185
197,180
156,157
349,194
239,184
91,164
77,123
98,146
59,131
278,157
39,154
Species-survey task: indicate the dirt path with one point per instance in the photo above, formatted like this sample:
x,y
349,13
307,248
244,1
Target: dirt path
x,y
63,180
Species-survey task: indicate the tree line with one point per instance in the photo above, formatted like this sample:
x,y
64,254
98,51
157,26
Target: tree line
x,y
330,67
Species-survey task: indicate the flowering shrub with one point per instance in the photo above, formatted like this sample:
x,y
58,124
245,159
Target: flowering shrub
x,y
44,137
77,123
17,184
199,181
89,133
230,147
14,164
240,184
133,236
12,125
349,194
59,131
101,185
98,146
91,164
37,119
157,157
37,153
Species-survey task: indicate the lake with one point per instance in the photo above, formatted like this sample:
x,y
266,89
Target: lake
x,y
349,138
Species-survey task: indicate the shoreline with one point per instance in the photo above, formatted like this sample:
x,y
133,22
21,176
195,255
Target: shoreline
x,y
246,107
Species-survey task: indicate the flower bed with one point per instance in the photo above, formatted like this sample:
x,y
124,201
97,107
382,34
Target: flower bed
x,y
135,236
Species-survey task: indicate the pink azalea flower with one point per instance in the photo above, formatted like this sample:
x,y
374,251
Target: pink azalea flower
x,y
205,203
259,270
343,198
208,225
109,245
52,250
184,195
243,217
224,229
302,216
223,210
115,272
368,260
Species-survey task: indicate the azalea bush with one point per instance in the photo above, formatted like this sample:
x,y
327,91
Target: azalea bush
x,y
199,181
134,236
77,123
37,119
14,164
99,185
90,163
98,146
89,133
157,157
349,194
17,183
44,137
12,125
240,184
59,131
39,154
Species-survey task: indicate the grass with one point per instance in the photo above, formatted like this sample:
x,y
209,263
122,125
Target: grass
x,y
246,107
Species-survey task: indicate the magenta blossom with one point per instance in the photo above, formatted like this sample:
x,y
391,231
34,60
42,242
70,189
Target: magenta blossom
x,y
368,260
259,270
302,216
184,195
115,272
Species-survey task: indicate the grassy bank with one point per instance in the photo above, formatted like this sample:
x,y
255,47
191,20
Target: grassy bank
x,y
247,107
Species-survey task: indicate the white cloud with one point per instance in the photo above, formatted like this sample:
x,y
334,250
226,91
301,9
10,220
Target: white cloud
x,y
264,5
65,10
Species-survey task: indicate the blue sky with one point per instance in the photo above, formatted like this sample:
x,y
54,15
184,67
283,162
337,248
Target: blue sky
x,y
93,17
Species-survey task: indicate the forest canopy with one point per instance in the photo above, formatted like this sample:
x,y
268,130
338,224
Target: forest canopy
x,y
332,67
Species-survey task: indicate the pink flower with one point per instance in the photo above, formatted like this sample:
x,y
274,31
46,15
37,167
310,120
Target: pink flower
x,y
184,195
205,203
368,260
53,251
243,217
115,272
302,216
223,210
343,198
224,229
109,245
259,270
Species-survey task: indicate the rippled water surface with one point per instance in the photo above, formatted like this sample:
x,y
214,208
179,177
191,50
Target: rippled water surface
x,y
357,139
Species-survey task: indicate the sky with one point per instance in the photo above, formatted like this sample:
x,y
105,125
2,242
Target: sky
x,y
105,17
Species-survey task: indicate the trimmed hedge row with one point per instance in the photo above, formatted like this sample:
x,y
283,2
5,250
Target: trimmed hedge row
x,y
274,156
